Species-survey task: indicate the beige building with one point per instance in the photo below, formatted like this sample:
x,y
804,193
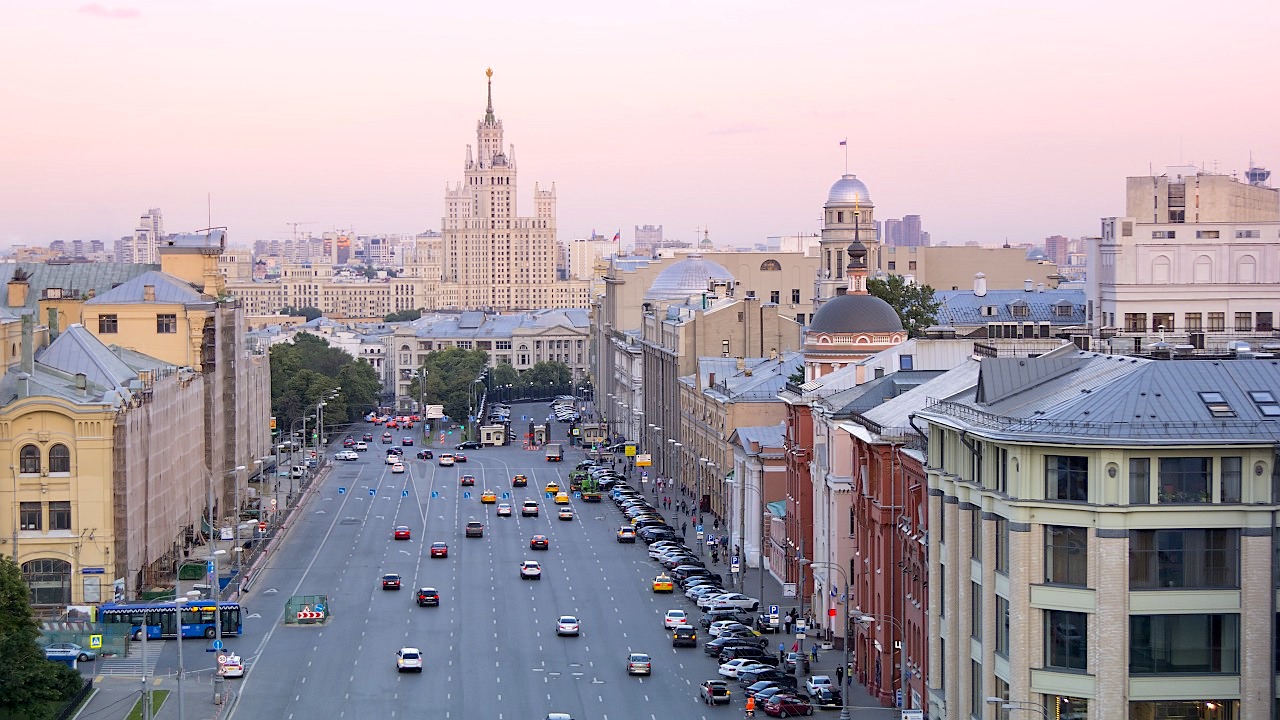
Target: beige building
x,y
953,268
1097,566
109,492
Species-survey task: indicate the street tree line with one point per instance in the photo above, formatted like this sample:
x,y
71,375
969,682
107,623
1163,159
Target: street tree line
x,y
309,371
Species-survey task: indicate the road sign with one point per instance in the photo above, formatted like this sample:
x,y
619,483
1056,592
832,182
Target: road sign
x,y
548,495
435,493
217,645
342,491
698,528
831,612
506,496
699,534
733,568
773,609
788,590
273,502
912,715
466,495
897,696
95,642
319,607
404,493
222,659
309,615
208,567
373,491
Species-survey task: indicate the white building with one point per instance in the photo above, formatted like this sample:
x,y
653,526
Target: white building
x,y
141,246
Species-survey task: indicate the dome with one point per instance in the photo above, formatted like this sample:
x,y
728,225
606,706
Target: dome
x,y
689,276
848,190
855,314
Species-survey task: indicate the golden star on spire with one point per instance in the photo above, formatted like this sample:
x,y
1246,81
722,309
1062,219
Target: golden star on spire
x,y
488,72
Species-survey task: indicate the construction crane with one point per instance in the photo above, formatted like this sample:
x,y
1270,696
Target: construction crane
x,y
295,225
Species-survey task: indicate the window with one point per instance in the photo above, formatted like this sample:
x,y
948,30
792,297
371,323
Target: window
x,y
1020,309
1066,477
1135,322
108,324
975,610
1217,322
29,460
1002,470
1002,545
978,699
795,295
1244,321
60,515
906,362
1065,640
59,459
1248,234
1186,558
1206,234
893,265
1002,627
1066,555
724,348
975,534
1140,481
166,323
1200,644
48,580
1264,322
1266,402
1193,322
775,296
1232,474
800,318
29,515
1162,321
1185,479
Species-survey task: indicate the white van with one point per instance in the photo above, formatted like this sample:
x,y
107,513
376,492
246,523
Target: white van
x,y
297,471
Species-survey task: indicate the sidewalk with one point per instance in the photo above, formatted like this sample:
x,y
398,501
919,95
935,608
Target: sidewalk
x,y
115,695
758,583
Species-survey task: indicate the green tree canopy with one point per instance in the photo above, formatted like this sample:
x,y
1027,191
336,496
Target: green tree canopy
x,y
28,681
914,303
402,316
310,313
449,374
309,371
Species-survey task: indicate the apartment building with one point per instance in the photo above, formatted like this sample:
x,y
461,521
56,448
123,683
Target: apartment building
x,y
1101,537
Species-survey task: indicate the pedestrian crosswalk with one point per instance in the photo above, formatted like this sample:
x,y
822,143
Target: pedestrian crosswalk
x,y
134,663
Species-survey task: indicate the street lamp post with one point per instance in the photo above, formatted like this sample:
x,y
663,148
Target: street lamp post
x,y
1013,705
742,527
902,654
844,696
179,602
236,518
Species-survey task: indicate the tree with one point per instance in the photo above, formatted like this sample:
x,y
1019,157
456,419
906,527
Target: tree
x,y
310,313
29,683
914,303
449,375
402,316
309,371
545,377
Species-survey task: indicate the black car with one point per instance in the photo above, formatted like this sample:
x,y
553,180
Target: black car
x,y
760,655
827,697
756,688
718,615
684,636
395,451
428,596
468,445
754,676
426,455
719,645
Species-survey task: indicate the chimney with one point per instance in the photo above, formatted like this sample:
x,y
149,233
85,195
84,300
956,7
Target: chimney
x,y
711,379
18,290
82,383
741,364
755,446
1028,285
980,284
149,292
28,342
1039,287
52,324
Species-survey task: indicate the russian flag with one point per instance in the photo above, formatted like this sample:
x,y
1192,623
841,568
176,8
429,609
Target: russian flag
x,y
844,142
617,236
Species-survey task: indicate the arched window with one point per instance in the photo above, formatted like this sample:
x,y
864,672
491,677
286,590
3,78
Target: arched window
x,y
1160,270
59,459
1202,272
29,460
1246,270
770,264
49,581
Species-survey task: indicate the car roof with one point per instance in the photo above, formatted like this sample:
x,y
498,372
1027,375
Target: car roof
x,y
427,589
391,575
410,650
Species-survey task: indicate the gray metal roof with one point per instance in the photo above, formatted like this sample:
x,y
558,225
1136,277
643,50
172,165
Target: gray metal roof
x,y
478,325
892,417
873,393
76,350
71,280
760,380
963,308
169,290
769,436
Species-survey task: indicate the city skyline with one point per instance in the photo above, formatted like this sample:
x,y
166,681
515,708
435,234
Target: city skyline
x,y
1000,122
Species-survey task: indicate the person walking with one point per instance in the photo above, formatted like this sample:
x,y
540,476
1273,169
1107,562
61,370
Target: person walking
x,y
684,529
751,706
840,675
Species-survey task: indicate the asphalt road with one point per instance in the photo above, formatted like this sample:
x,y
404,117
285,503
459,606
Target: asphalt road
x,y
490,649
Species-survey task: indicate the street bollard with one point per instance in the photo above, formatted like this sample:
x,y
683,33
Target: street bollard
x,y
217,689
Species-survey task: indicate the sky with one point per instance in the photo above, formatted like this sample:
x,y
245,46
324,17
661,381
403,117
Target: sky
x,y
994,120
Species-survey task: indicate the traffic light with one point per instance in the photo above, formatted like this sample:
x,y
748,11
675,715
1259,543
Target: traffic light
x,y
273,423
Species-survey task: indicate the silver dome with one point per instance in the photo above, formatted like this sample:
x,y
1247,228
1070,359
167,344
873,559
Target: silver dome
x,y
687,277
848,190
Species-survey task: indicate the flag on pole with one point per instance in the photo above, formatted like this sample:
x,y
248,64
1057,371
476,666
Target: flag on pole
x,y
844,142
617,236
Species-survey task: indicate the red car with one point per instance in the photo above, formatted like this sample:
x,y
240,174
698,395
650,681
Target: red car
x,y
349,442
367,437
439,549
467,481
402,532
782,705
406,441
459,457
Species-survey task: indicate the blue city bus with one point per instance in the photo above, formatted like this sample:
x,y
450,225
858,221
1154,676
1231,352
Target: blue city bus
x,y
198,618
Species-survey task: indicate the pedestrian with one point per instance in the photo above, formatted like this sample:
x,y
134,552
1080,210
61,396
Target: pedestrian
x,y
684,529
786,625
782,653
751,706
840,675
814,651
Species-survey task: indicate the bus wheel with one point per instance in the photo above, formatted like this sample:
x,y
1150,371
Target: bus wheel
x,y
209,633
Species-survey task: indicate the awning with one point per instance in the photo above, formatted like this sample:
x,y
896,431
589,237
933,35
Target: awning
x,y
777,508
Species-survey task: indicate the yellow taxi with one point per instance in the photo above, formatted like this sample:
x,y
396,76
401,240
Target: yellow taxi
x,y
662,583
552,487
562,498
489,497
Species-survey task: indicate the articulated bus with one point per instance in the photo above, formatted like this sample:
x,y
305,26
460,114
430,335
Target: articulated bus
x,y
198,619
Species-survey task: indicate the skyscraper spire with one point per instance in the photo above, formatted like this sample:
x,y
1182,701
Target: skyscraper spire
x,y
488,112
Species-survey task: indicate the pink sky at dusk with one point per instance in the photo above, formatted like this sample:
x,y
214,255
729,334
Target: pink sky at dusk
x,y
992,120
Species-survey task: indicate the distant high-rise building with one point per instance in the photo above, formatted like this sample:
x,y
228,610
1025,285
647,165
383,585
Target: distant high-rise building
x,y
892,236
59,246
1057,248
648,237
911,231
926,240
141,246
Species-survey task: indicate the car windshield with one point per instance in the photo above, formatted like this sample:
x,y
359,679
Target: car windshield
x,y
568,620
411,656
390,577
639,658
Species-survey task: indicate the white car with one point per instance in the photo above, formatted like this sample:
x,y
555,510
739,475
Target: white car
x,y
397,468
446,459
656,551
408,659
710,599
731,668
393,459
818,682
530,570
719,625
738,600
346,455
567,625
362,446
674,619
697,591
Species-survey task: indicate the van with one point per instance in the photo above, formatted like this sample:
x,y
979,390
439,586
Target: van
x,y
684,636
555,453
297,471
